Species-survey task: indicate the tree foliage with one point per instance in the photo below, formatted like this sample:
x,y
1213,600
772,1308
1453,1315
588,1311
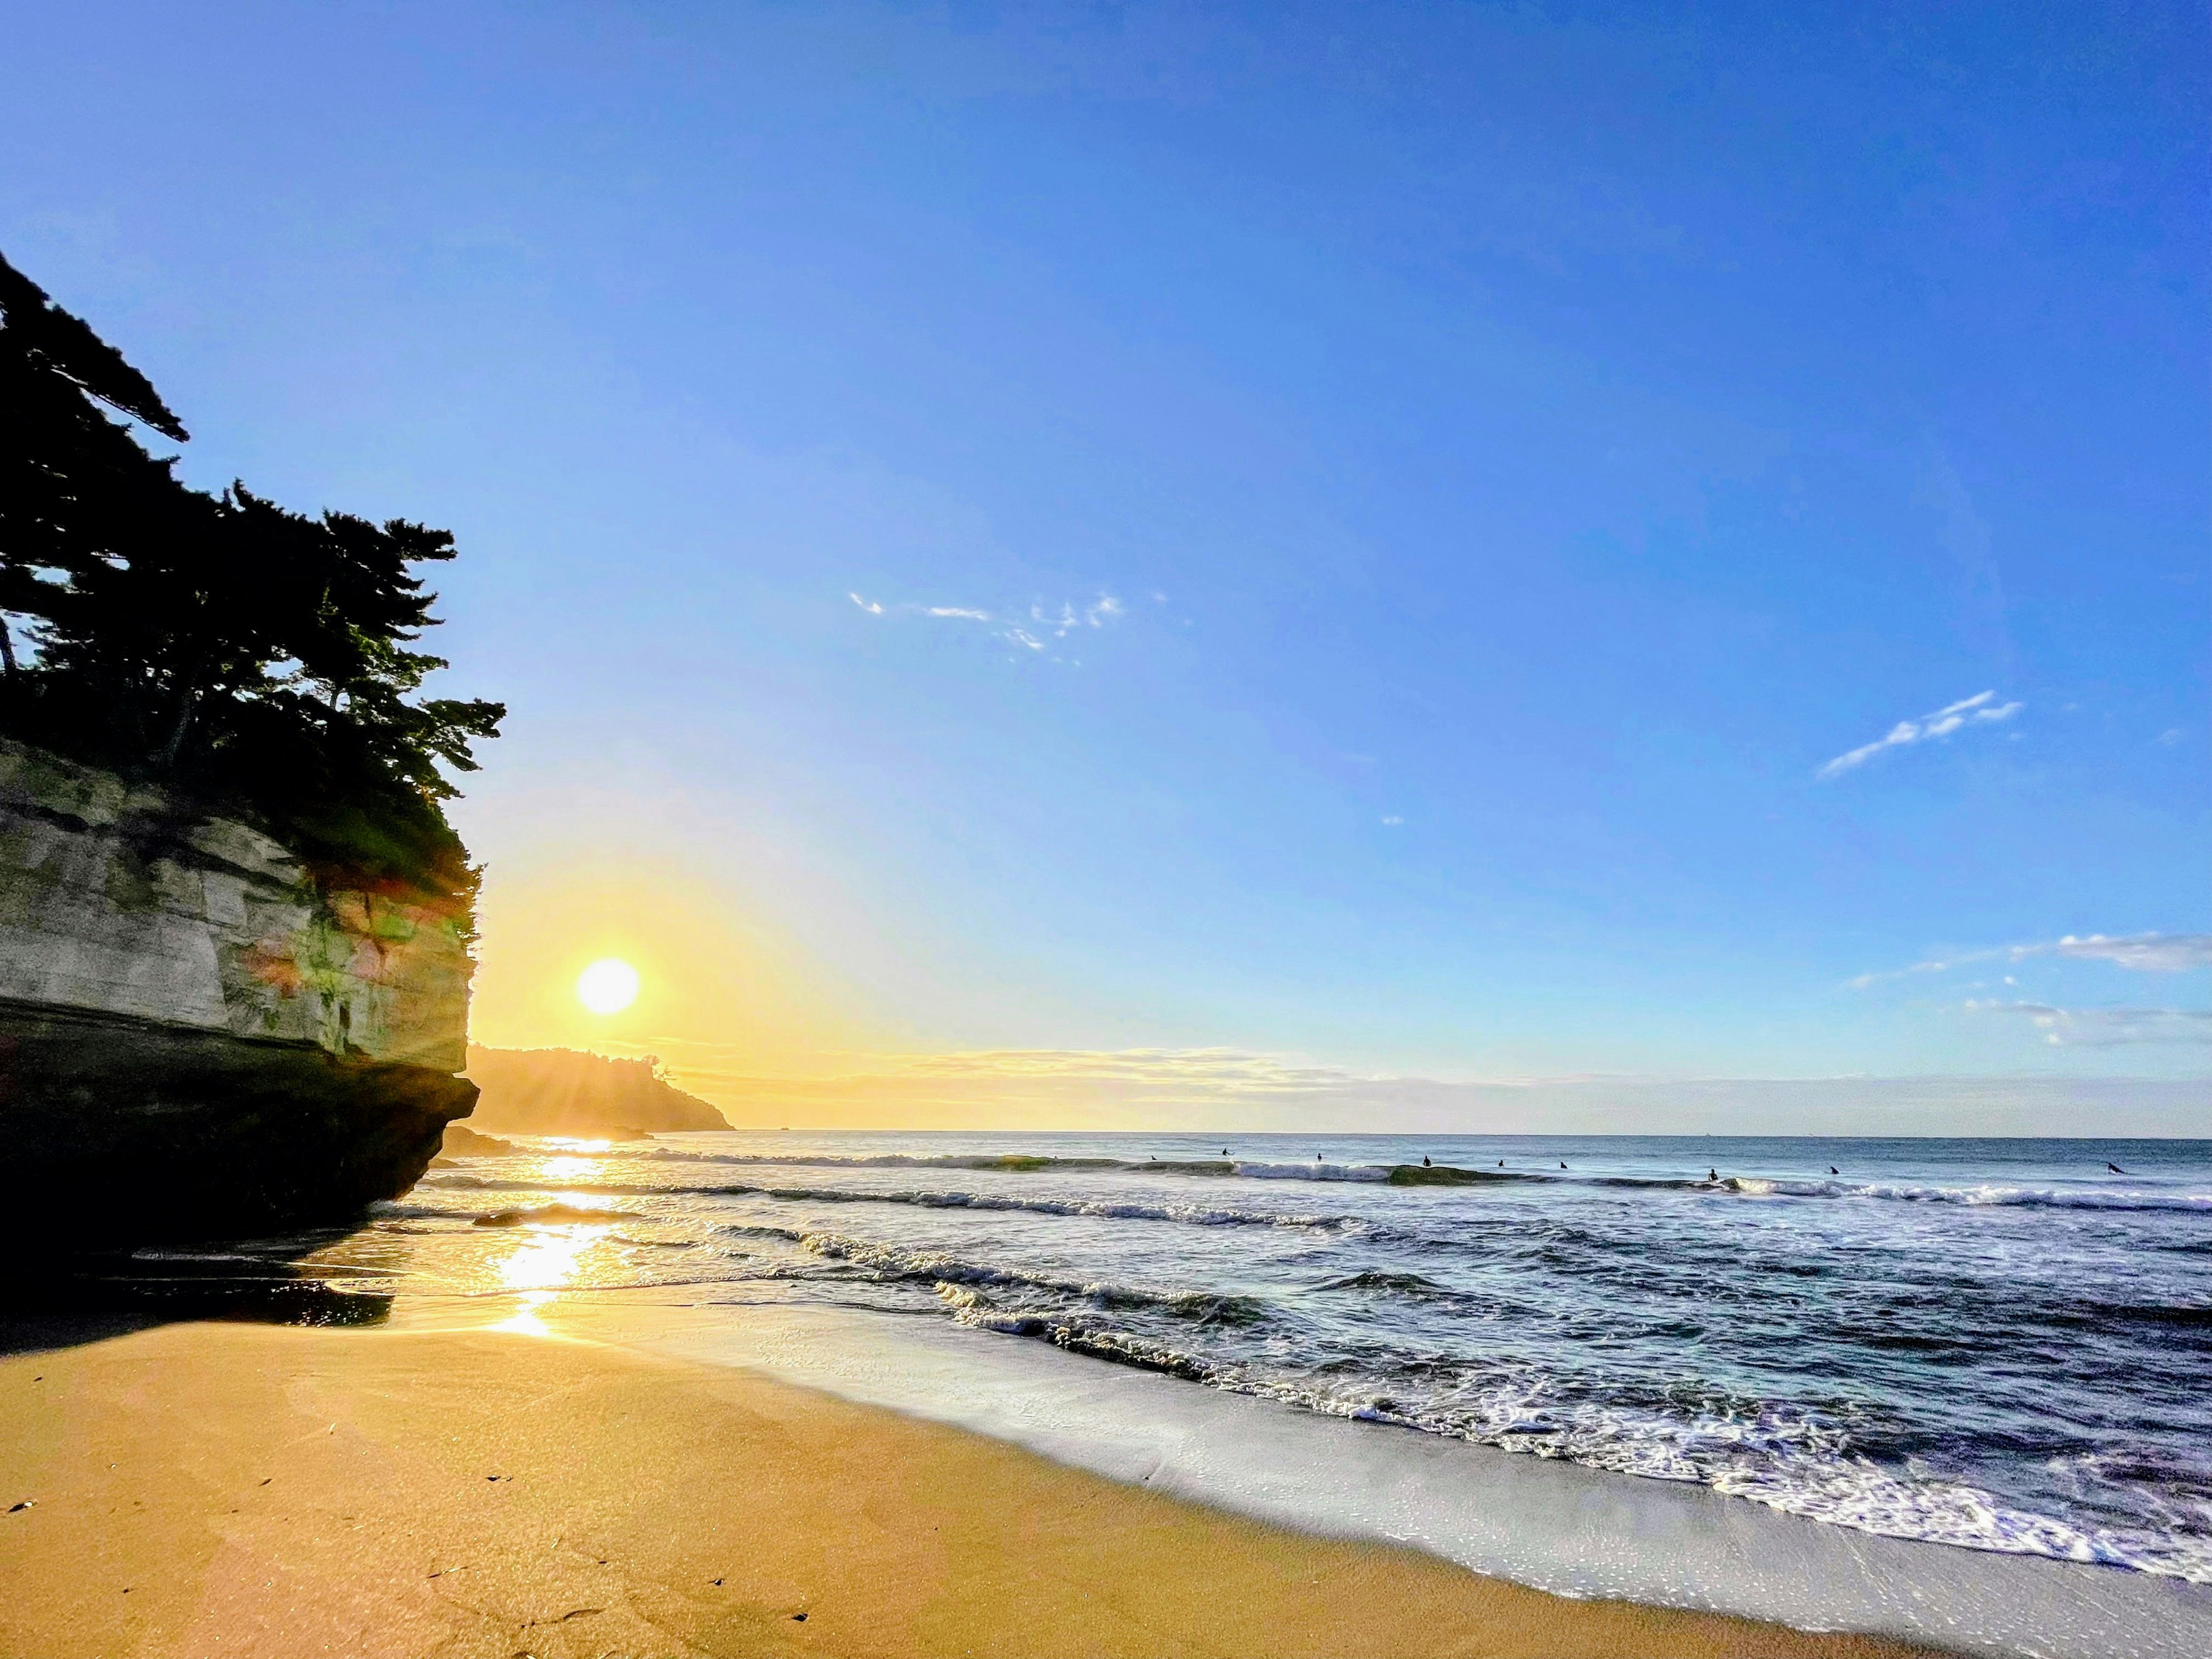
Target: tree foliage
x,y
246,656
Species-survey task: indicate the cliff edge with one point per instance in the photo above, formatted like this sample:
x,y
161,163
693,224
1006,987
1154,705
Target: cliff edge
x,y
195,1036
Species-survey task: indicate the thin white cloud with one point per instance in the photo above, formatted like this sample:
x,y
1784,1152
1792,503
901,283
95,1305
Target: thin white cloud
x,y
2170,736
1980,709
1029,633
2105,1027
1200,1070
2156,953
1394,820
2151,953
1860,983
1066,619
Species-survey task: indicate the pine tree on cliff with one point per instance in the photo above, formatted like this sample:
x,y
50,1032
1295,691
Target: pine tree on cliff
x,y
71,479
256,658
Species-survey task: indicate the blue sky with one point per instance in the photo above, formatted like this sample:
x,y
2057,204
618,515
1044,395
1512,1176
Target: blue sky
x,y
1440,487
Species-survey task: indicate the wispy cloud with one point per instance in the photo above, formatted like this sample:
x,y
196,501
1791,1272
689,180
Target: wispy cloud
x,y
1178,1071
2105,1027
1067,618
2156,953
1034,631
970,1077
2152,953
1980,709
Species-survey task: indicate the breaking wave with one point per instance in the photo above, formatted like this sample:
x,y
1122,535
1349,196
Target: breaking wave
x,y
950,1277
1192,1215
1793,1462
1420,1176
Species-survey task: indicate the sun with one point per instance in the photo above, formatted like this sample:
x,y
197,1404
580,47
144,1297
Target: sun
x,y
607,986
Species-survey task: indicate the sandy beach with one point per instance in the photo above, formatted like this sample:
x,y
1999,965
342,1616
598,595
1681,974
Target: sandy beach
x,y
200,1489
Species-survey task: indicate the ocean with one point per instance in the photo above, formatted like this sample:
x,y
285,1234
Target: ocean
x,y
2001,1345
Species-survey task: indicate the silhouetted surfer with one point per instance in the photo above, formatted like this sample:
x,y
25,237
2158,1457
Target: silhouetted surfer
x,y
1562,1163
1501,1163
1712,1174
2114,1168
1424,1162
1833,1169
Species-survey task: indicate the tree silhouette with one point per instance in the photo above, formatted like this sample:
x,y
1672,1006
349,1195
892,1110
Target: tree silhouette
x,y
252,658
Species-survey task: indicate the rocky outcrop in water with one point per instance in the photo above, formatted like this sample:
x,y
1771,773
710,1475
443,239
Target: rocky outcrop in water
x,y
567,1091
198,1035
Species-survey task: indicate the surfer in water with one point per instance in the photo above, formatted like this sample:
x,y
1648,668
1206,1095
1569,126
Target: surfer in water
x,y
2114,1168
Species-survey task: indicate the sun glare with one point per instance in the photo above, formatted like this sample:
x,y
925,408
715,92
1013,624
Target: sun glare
x,y
607,986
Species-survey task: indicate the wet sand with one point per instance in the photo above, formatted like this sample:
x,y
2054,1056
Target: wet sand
x,y
220,1489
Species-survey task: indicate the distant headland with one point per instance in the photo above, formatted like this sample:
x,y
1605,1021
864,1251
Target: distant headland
x,y
565,1091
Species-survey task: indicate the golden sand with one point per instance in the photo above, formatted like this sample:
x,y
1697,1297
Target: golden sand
x,y
214,1489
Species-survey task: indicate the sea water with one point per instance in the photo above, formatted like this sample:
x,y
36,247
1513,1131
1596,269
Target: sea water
x,y
2004,1346
1997,1344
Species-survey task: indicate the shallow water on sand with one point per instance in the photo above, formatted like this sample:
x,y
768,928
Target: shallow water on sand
x,y
2000,1345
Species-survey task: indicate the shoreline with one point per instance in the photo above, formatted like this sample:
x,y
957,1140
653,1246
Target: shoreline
x,y
1549,1524
250,1489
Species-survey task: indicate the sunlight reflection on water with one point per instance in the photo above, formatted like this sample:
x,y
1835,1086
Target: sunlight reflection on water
x,y
548,1258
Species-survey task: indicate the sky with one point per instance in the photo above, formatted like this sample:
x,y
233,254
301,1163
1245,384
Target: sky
x,y
1490,567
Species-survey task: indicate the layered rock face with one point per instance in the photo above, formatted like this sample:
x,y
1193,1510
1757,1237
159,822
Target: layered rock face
x,y
196,1037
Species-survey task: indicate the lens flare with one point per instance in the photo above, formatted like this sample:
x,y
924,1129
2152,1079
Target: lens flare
x,y
607,986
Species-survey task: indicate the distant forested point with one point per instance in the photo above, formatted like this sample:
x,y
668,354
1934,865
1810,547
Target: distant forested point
x,y
242,656
568,1091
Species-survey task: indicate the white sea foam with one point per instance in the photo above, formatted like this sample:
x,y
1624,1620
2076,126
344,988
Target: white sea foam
x,y
1791,1462
1978,1194
1191,1215
2077,1198
1317,1171
2045,1198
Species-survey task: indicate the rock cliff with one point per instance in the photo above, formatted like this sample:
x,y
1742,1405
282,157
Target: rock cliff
x,y
198,1035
